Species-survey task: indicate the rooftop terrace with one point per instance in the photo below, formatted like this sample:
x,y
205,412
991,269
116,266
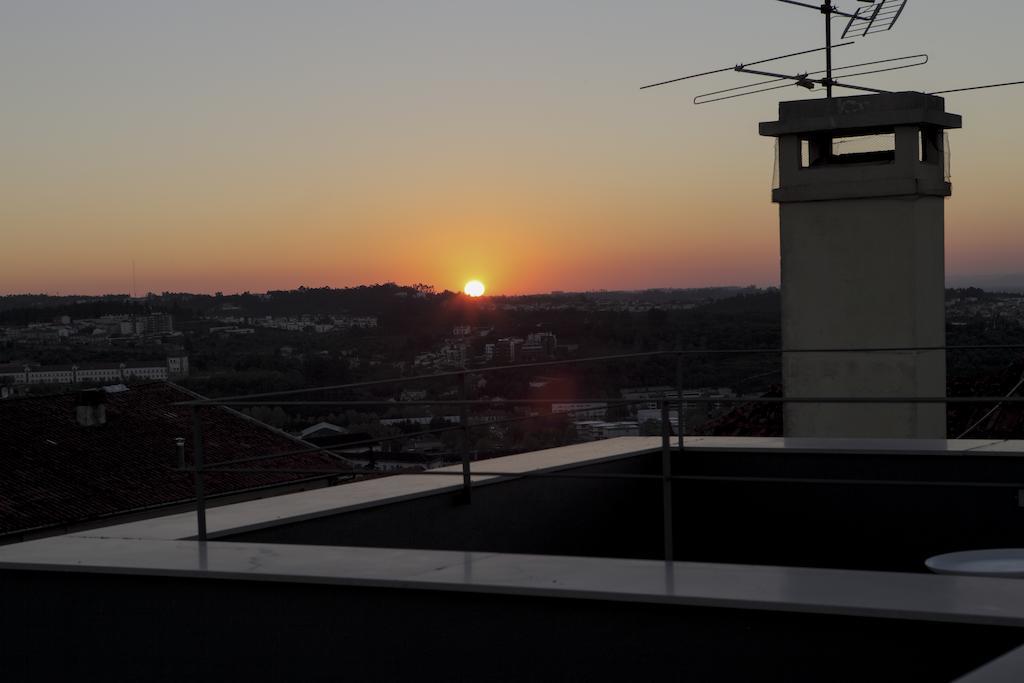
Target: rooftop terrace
x,y
555,569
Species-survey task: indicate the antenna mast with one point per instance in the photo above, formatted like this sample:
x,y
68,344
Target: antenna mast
x,y
827,9
875,16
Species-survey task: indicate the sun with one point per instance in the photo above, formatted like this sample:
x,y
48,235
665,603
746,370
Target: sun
x,y
474,288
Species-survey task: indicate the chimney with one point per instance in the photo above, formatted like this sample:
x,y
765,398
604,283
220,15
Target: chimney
x,y
91,408
861,190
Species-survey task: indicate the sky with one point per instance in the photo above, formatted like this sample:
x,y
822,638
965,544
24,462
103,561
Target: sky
x,y
231,145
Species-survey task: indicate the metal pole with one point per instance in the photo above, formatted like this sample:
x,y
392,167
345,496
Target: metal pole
x,y
666,479
826,9
680,417
197,473
467,482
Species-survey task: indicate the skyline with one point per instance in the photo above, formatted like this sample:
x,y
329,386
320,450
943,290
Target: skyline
x,y
253,146
1005,283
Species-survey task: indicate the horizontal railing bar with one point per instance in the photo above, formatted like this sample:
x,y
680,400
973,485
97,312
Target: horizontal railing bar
x,y
658,477
618,401
594,359
438,375
376,402
338,449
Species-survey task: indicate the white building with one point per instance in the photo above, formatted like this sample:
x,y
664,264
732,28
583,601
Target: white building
x,y
649,395
361,322
594,430
176,366
584,410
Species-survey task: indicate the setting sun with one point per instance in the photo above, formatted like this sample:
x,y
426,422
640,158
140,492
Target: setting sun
x,y
474,288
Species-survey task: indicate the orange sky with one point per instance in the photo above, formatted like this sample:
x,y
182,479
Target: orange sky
x,y
253,146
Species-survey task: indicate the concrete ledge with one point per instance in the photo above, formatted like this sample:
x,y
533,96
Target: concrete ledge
x,y
860,112
965,600
864,189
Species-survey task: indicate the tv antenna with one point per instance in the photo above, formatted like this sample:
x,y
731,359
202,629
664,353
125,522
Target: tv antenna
x,y
874,16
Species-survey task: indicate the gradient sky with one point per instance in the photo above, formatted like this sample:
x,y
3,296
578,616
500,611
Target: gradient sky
x,y
254,144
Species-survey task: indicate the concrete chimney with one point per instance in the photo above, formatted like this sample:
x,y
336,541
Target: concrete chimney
x,y
91,408
861,187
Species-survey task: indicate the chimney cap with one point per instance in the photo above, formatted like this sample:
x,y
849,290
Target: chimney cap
x,y
860,112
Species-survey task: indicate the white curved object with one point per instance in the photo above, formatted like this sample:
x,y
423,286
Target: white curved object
x,y
995,562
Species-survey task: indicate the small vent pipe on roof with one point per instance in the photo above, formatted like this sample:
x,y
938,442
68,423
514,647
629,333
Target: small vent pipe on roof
x,y
91,408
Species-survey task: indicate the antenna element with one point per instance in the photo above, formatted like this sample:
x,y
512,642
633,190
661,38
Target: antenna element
x,y
877,16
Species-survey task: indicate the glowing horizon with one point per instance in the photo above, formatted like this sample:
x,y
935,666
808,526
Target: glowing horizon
x,y
249,146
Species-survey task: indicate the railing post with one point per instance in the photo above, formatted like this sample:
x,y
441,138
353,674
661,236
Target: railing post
x,y
197,473
666,478
467,482
680,408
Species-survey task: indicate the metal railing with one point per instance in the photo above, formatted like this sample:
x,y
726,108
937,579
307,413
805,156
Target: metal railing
x,y
199,468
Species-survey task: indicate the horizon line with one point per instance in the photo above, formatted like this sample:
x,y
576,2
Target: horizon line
x,y
948,280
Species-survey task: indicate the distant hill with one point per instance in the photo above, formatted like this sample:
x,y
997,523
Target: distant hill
x,y
26,301
1006,282
393,302
668,294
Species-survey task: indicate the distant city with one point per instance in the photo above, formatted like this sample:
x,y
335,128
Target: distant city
x,y
218,345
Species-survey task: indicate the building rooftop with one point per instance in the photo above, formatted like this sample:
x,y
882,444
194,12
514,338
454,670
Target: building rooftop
x,y
572,536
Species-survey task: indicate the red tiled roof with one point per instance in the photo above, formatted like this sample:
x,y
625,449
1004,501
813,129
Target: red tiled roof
x,y
55,472
749,419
